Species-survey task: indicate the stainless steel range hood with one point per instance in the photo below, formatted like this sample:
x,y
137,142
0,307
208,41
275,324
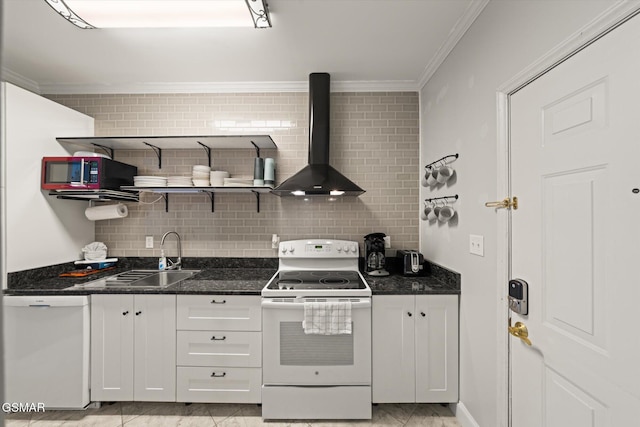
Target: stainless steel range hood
x,y
318,178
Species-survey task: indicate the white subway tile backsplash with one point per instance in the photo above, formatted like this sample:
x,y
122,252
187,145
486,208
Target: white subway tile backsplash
x,y
374,142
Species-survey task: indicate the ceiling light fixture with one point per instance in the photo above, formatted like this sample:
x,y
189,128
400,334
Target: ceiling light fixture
x,y
89,14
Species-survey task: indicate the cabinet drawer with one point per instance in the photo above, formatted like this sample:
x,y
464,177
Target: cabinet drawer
x,y
219,313
219,348
229,385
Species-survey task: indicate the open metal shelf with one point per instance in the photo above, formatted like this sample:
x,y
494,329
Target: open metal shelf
x,y
210,191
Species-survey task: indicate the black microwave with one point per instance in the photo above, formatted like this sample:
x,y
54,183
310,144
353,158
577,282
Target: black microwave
x,y
85,173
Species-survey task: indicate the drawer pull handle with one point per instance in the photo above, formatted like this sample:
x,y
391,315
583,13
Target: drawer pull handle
x,y
422,313
138,313
218,302
124,313
409,313
214,375
213,338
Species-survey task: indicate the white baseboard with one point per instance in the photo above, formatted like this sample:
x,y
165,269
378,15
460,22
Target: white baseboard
x,y
463,415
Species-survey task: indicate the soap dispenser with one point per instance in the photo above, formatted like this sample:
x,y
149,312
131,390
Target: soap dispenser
x,y
162,261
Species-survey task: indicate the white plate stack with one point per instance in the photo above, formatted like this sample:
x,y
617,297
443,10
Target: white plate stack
x,y
150,181
179,181
200,176
217,178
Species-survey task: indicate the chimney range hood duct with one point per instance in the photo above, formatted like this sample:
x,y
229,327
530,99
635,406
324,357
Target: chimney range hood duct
x,y
318,178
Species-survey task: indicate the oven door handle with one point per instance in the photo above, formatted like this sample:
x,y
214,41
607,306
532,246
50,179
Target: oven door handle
x,y
299,305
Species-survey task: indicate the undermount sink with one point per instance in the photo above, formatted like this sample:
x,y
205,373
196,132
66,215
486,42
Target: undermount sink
x,y
140,279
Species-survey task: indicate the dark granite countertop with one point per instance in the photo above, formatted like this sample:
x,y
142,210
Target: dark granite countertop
x,y
222,276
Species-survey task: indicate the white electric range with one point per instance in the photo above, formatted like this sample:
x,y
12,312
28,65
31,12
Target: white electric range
x,y
311,375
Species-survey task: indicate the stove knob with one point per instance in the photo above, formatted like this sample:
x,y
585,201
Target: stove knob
x,y
339,249
284,250
354,248
291,249
346,249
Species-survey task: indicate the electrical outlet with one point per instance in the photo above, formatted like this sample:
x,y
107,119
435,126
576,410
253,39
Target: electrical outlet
x,y
275,240
148,242
476,245
387,242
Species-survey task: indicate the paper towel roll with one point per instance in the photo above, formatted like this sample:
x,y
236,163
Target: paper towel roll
x,y
98,213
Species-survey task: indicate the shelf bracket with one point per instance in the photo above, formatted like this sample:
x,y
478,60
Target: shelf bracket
x,y
158,152
212,196
165,196
207,149
257,148
257,200
110,151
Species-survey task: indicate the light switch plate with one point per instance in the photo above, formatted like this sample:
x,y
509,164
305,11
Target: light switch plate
x,y
387,242
148,242
476,244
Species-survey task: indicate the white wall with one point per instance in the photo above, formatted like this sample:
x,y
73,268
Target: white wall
x,y
458,114
38,229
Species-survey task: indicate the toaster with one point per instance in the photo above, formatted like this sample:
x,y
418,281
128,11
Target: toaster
x,y
410,262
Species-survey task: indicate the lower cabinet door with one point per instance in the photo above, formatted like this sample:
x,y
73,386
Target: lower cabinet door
x,y
155,348
219,384
393,345
112,341
436,348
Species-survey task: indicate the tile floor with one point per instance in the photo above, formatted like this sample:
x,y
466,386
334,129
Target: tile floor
x,y
223,415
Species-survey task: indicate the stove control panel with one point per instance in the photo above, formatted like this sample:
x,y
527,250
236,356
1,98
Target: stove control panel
x,y
319,248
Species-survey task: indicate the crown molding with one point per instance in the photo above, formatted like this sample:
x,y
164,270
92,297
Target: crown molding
x,y
459,29
20,80
227,87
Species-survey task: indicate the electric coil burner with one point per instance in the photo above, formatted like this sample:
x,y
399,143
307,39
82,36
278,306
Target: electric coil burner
x,y
316,375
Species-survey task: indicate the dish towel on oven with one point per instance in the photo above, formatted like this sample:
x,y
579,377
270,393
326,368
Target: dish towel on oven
x,y
327,317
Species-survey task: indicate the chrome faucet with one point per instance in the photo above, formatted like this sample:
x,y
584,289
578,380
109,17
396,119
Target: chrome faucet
x,y
177,265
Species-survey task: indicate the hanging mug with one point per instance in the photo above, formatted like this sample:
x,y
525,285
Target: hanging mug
x,y
446,213
433,215
431,176
424,212
444,174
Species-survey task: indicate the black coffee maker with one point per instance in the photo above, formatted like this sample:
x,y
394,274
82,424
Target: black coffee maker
x,y
374,259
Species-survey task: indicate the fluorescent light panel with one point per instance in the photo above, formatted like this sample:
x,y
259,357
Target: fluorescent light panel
x,y
163,13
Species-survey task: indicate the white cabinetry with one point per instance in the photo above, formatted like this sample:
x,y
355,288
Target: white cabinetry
x,y
133,344
415,348
219,350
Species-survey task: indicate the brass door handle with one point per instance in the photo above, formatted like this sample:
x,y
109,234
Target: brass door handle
x,y
519,330
504,204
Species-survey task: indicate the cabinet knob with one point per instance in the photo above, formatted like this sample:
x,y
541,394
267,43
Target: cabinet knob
x,y
218,302
138,313
213,338
214,375
422,314
124,313
409,313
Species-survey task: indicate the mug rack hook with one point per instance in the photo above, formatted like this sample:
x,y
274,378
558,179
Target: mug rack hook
x,y
433,199
443,160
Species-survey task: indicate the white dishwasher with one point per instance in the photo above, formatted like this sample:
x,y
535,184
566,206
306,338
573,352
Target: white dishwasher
x,y
46,350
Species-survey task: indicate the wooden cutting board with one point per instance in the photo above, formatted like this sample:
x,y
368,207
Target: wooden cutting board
x,y
83,273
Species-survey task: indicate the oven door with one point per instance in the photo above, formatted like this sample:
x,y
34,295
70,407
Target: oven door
x,y
290,357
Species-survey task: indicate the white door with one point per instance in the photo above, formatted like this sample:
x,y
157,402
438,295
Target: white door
x,y
575,168
155,348
112,347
